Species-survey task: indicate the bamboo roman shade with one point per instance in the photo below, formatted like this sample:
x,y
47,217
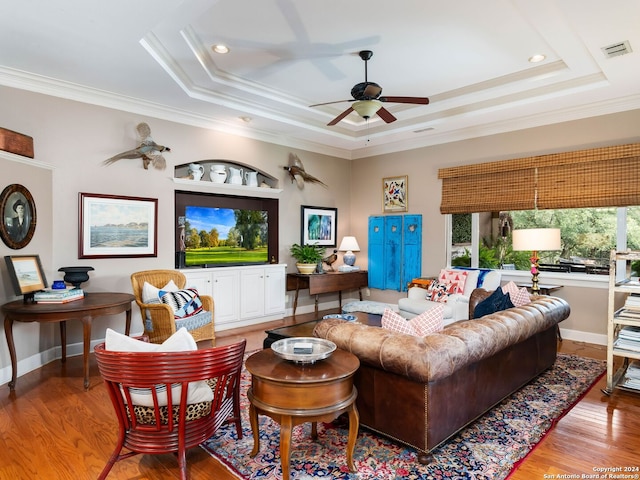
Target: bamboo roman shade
x,y
598,177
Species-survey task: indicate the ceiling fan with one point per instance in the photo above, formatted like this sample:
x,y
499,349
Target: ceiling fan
x,y
367,99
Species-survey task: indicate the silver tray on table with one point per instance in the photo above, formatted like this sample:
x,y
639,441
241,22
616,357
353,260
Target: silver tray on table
x,y
320,347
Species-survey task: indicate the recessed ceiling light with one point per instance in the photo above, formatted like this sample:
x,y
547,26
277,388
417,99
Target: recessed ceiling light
x,y
220,48
538,57
246,119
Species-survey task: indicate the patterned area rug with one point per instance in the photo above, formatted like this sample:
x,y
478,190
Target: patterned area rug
x,y
487,449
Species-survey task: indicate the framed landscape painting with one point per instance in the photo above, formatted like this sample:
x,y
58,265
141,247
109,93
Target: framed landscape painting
x,y
112,226
26,273
318,226
395,194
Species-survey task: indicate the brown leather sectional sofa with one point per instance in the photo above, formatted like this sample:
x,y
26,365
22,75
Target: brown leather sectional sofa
x,y
422,390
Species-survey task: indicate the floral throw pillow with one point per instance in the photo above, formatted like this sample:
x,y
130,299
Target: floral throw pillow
x,y
440,291
457,277
518,296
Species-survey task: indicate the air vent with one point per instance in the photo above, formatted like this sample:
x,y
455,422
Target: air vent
x,y
424,130
617,49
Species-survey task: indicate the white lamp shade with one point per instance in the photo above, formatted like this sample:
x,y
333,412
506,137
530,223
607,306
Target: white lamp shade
x,y
349,244
539,239
367,108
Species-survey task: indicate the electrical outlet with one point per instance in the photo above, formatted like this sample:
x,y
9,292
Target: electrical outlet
x,y
367,292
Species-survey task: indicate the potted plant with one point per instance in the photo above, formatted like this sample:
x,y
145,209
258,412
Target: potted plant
x,y
307,256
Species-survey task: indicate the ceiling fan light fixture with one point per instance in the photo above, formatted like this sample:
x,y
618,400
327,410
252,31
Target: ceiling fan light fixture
x,y
367,108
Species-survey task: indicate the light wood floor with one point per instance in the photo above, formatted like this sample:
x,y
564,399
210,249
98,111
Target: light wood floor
x,y
50,428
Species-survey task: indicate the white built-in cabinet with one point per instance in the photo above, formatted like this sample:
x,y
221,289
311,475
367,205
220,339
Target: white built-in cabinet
x,y
242,296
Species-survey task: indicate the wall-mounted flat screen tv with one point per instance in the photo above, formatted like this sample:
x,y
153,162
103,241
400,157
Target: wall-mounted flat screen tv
x,y
223,230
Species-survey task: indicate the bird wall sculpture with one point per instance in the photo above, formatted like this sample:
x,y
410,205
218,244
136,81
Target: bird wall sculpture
x,y
298,174
148,150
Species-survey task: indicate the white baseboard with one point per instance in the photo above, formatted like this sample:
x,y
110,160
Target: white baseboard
x,y
587,337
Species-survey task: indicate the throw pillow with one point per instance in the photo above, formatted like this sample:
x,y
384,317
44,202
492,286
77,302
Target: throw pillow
x,y
440,291
518,296
180,341
184,303
457,277
118,342
495,302
150,294
396,323
429,321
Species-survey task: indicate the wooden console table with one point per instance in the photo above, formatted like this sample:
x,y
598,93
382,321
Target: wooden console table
x,y
94,304
329,282
545,289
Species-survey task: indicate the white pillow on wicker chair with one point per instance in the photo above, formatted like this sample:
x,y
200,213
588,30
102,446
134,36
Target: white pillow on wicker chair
x,y
151,294
180,341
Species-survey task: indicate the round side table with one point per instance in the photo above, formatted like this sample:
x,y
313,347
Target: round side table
x,y
292,394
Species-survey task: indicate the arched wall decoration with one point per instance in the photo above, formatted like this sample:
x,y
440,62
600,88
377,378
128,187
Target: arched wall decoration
x,y
18,216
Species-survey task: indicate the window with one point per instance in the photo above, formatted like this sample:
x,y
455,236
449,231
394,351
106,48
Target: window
x,y
588,236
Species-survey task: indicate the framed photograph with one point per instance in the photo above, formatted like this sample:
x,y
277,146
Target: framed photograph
x,y
112,226
318,225
26,273
395,193
18,216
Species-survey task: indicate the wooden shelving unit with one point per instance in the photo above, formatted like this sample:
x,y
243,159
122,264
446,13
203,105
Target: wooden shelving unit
x,y
621,320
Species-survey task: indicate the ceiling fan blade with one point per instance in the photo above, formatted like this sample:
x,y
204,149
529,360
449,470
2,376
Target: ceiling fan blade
x,y
340,117
329,103
416,100
386,115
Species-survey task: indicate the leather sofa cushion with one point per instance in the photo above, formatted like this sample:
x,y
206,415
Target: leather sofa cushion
x,y
438,355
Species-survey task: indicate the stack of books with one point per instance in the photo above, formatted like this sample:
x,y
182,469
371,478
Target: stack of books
x,y
632,302
632,376
58,295
628,339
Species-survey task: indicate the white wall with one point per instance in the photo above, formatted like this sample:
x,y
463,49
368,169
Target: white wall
x,y
589,303
72,139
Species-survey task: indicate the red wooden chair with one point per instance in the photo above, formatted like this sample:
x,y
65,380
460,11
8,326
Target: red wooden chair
x,y
167,382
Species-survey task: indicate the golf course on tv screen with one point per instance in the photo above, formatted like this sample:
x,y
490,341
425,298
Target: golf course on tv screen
x,y
225,236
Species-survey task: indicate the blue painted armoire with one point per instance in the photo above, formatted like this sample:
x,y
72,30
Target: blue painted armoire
x,y
395,251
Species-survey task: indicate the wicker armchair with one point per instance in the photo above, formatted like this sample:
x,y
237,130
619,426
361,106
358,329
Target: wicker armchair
x,y
158,318
166,381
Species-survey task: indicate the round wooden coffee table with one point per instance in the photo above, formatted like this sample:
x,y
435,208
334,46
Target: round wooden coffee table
x,y
293,394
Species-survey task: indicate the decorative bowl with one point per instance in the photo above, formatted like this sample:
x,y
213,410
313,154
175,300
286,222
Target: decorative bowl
x,y
320,349
342,316
75,275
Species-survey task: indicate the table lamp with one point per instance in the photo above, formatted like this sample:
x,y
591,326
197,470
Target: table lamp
x,y
349,245
535,240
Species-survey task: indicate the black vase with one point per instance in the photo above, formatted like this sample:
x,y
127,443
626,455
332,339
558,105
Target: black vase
x,y
75,275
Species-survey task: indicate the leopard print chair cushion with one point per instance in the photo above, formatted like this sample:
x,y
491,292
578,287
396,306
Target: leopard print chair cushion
x,y
146,415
